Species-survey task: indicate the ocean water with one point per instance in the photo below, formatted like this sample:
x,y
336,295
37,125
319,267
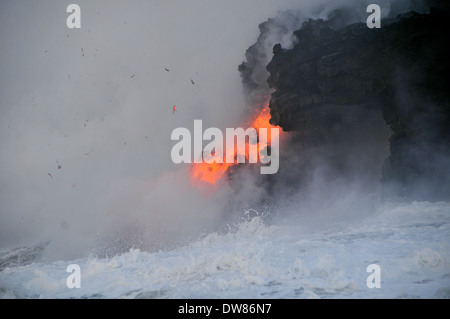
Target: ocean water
x,y
262,259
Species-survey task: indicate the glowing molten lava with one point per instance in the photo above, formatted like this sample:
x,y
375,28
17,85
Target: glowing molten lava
x,y
210,173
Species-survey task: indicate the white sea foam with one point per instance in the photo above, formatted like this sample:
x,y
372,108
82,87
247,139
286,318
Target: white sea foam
x,y
257,260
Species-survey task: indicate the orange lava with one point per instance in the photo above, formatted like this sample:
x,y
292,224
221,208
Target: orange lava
x,y
210,173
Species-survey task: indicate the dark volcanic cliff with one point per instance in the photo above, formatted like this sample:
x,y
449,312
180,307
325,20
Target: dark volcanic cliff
x,y
334,76
362,105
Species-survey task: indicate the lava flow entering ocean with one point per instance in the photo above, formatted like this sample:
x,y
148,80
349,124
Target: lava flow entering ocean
x,y
212,171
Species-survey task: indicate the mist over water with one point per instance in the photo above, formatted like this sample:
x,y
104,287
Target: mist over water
x,y
86,118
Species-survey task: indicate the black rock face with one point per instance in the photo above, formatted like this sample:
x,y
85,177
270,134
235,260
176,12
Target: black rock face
x,y
402,68
326,88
